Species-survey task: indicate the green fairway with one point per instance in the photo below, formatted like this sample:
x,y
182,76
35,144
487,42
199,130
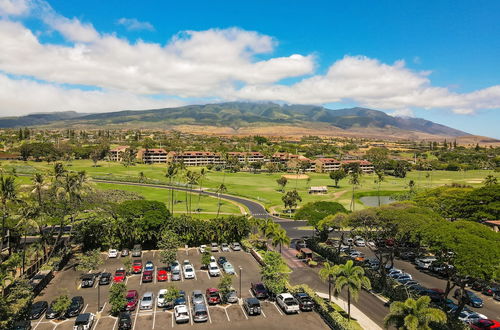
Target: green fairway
x,y
261,187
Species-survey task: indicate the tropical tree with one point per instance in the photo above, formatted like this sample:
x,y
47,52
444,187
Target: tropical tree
x,y
280,237
490,180
205,258
90,261
172,293
351,277
168,245
225,285
291,199
171,173
220,190
336,176
8,193
274,272
354,172
201,176
117,297
328,273
413,314
38,186
142,177
378,180
282,181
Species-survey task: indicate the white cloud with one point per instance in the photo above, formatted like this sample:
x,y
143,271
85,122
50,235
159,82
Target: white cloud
x,y
223,64
132,24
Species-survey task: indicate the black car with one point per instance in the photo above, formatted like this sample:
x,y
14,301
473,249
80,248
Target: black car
x,y
306,304
105,279
88,280
221,261
21,325
479,285
75,307
37,309
51,313
408,255
124,321
252,306
259,290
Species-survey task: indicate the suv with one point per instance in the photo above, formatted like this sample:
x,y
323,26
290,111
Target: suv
x,y
124,321
287,303
259,290
252,306
424,263
306,304
213,296
88,280
75,307
213,270
137,251
84,321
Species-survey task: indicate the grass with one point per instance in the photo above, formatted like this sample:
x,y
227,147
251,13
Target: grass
x,y
262,186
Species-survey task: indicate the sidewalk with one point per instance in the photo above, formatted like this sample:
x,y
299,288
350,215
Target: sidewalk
x,y
362,319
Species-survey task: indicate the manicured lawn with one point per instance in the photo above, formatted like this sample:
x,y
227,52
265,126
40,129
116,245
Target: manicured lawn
x,y
261,186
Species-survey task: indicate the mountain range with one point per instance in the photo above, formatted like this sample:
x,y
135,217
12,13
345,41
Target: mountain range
x,y
246,117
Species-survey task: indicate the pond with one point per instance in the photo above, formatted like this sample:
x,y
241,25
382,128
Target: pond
x,y
373,200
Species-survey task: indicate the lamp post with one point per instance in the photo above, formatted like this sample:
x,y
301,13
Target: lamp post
x,y
98,297
240,281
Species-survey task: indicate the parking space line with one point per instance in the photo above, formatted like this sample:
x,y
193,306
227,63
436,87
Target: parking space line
x,y
103,306
154,253
208,275
41,318
277,308
173,320
227,315
189,310
114,325
208,308
135,319
95,324
244,313
262,311
154,314
251,292
85,308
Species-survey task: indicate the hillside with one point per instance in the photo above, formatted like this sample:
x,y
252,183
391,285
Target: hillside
x,y
236,117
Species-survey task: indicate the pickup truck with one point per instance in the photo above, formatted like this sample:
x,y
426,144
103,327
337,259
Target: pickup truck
x,y
287,303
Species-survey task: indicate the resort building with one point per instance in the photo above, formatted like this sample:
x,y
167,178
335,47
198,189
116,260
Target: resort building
x,y
366,166
247,157
116,154
152,156
324,165
195,158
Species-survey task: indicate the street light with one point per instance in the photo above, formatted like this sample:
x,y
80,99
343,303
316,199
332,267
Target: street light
x,y
98,297
240,280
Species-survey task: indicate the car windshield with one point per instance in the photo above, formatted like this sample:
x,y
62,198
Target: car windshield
x,y
290,301
213,294
130,298
198,296
260,287
189,269
146,298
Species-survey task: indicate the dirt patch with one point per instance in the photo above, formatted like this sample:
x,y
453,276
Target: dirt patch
x,y
296,176
339,193
475,181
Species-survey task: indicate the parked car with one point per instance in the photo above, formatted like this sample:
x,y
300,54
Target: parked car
x,y
132,299
21,325
485,324
149,266
236,246
424,263
306,303
147,276
37,309
51,313
214,247
408,255
436,295
232,296
197,297
490,290
224,247
287,303
203,248
105,279
124,321
259,290
162,274
181,300
359,241
228,268
84,321
137,251
147,300
471,316
120,275
221,260
470,298
189,272
252,306
496,296
176,275
161,301
175,265
213,270
137,267
124,253
410,283
112,253
75,307
88,280
213,296
181,314
200,313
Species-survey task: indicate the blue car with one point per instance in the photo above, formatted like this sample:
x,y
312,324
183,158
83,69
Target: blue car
x,y
182,299
149,266
470,298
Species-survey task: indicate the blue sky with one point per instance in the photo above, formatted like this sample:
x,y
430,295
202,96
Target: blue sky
x,y
437,60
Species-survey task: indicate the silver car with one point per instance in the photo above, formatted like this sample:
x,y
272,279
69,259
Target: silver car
x,y
197,297
200,313
147,300
232,296
176,275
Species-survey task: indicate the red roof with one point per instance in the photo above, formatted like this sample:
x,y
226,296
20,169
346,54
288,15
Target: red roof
x,y
328,160
361,162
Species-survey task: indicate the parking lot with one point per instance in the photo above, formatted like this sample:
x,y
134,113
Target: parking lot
x,y
231,316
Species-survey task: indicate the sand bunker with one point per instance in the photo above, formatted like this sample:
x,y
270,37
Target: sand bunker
x,y
296,176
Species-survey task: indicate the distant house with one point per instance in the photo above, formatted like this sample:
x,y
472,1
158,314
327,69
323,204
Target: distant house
x,y
318,190
152,156
116,154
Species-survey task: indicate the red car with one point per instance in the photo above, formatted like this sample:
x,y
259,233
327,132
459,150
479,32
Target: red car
x,y
147,276
137,267
213,296
485,325
162,274
120,275
132,298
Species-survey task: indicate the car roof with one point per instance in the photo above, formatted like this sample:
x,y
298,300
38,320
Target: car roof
x,y
83,317
212,290
182,308
197,292
253,300
302,294
200,307
286,295
162,291
149,293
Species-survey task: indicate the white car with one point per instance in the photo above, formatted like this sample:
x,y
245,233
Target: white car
x,y
188,271
468,316
224,247
112,253
84,321
186,262
236,246
175,265
181,314
160,300
371,244
214,247
287,303
359,241
213,270
425,262
203,248
212,259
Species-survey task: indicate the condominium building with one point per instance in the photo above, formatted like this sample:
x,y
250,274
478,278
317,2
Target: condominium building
x,y
116,154
324,165
195,158
364,165
301,163
247,157
152,156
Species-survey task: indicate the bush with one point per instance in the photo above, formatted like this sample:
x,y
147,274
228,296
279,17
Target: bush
x,y
314,212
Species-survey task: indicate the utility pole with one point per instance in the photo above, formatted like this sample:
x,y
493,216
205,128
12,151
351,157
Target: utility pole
x,y
240,281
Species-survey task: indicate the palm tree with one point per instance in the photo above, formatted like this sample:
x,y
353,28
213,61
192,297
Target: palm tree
x,y
413,314
171,173
38,183
192,180
280,237
354,171
8,193
380,177
220,190
328,273
201,176
351,277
